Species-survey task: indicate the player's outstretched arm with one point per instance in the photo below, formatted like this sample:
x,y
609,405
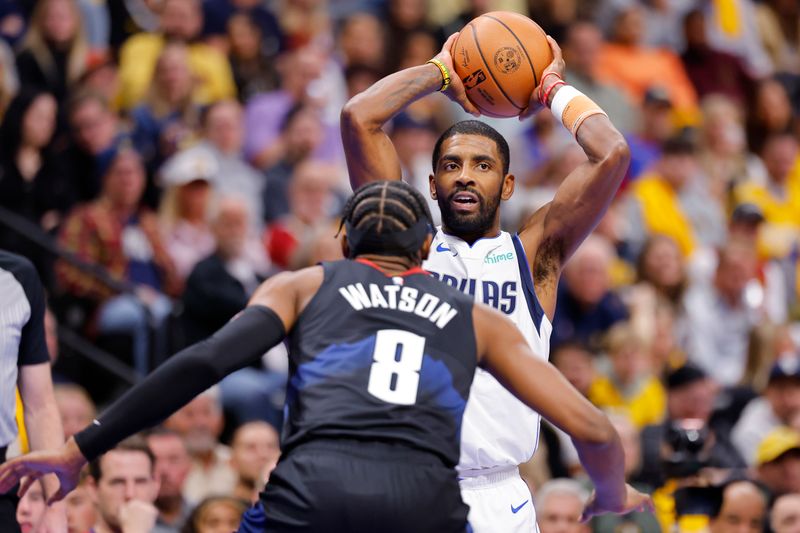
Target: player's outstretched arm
x,y
370,154
506,354
552,233
269,315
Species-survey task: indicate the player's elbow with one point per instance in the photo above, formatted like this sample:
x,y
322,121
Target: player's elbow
x,y
355,115
617,154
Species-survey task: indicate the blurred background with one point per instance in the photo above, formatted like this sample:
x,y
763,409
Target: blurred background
x,y
160,158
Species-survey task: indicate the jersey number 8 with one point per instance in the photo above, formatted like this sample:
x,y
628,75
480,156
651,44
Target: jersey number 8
x,y
394,376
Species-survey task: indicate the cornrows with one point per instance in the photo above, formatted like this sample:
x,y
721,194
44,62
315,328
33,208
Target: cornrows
x,y
385,207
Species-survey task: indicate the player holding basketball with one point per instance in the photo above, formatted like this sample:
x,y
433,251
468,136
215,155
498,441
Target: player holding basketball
x,y
518,274
382,357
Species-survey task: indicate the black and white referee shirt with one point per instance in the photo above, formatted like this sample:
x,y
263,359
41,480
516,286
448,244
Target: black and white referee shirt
x,y
22,308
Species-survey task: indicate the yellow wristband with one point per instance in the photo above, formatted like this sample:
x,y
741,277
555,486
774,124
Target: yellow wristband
x,y
444,71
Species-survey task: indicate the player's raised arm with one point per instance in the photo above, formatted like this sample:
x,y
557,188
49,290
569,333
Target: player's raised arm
x,y
270,314
370,154
553,233
507,355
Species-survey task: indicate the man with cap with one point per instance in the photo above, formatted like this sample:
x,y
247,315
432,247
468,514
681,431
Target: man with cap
x,y
116,233
778,461
778,406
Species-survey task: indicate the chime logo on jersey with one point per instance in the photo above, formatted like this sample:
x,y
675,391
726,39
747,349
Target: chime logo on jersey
x,y
501,296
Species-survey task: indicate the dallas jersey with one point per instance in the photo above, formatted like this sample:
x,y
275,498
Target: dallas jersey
x,y
381,358
498,431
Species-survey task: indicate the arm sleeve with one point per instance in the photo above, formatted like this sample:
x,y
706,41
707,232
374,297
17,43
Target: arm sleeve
x,y
32,344
184,376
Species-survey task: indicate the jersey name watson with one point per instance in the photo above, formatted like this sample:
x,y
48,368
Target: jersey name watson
x,y
407,299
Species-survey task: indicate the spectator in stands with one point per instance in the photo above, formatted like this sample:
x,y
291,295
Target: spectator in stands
x,y
630,387
255,450
185,210
712,71
34,185
76,408
581,49
719,316
171,470
80,504
220,285
217,15
559,505
223,135
169,114
743,509
769,114
779,198
124,485
95,132
268,115
200,424
253,67
587,307
300,137
672,200
691,395
778,461
660,267
181,21
55,52
123,238
362,41
311,205
785,514
655,126
723,155
216,514
778,406
304,23
31,509
627,63
576,363
779,34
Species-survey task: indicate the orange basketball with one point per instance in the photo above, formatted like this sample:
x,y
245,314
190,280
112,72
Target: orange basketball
x,y
500,57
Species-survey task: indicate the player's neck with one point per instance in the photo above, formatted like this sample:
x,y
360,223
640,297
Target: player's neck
x,y
471,237
391,265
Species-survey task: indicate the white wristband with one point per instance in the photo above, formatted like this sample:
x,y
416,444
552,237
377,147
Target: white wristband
x,y
563,96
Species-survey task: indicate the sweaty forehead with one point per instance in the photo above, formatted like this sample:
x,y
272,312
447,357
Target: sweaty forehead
x,y
466,146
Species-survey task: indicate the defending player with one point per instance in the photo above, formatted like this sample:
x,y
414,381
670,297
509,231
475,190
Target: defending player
x,y
516,274
382,357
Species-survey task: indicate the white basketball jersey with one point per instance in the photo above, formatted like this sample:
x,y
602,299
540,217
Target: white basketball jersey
x,y
498,430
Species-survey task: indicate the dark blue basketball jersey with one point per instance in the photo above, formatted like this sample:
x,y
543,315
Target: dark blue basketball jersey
x,y
377,357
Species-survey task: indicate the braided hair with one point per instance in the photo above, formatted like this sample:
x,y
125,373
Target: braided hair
x,y
384,208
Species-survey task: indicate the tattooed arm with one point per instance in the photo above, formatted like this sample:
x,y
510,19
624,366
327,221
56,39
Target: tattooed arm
x,y
369,152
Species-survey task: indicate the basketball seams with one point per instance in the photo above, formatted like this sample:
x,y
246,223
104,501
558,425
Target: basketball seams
x,y
489,68
530,63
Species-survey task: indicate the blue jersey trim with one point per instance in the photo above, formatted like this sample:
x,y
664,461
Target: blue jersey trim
x,y
534,307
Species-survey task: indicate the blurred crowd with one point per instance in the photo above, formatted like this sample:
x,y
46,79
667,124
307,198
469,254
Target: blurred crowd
x,y
190,148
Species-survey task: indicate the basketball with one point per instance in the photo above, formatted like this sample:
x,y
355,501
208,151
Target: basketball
x,y
500,57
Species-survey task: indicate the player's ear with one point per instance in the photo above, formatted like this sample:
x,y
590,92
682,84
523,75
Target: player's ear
x,y
425,250
432,185
508,187
345,245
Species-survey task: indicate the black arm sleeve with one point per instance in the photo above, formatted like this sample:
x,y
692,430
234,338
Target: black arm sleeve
x,y
184,376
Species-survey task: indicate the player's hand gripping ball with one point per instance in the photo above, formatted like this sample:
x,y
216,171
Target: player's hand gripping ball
x,y
500,58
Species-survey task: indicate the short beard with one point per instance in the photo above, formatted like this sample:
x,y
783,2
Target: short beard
x,y
469,225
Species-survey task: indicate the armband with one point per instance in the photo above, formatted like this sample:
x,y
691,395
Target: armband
x,y
571,107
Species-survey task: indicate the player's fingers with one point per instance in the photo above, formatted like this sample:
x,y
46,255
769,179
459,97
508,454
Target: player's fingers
x,y
10,475
448,44
557,55
529,111
27,482
57,497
